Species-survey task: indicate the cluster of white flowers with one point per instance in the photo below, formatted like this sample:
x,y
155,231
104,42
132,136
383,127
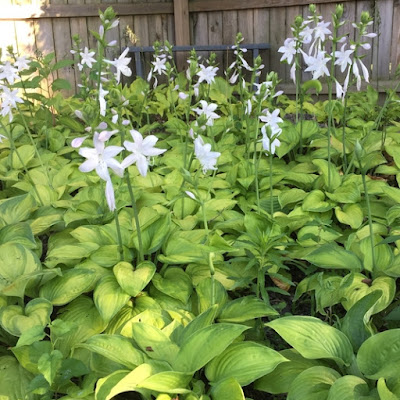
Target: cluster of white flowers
x,y
9,73
317,57
100,157
270,130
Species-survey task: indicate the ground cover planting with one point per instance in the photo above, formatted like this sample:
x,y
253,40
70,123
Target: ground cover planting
x,y
193,236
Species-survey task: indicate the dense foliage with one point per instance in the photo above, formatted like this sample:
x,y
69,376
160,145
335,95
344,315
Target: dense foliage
x,y
191,236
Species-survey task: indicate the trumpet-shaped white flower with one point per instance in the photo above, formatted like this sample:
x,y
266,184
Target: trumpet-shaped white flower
x,y
87,57
22,63
270,145
159,65
100,158
321,30
102,100
121,64
142,150
288,49
207,73
207,110
9,72
343,58
317,65
9,100
203,153
272,120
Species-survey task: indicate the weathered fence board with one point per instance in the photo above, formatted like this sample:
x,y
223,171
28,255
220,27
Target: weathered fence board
x,y
47,25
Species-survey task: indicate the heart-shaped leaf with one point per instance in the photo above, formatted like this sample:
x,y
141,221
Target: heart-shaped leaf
x,y
134,280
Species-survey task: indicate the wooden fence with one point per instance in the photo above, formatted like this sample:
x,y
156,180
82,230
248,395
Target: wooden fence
x,y
48,25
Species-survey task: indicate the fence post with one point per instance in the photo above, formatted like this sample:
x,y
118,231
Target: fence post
x,y
182,34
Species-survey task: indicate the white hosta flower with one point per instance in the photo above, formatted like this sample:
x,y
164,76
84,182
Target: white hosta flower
x,y
272,119
248,107
121,64
2,137
22,63
183,95
207,110
190,194
207,158
306,34
321,30
102,100
233,78
343,58
269,145
142,150
159,65
9,72
9,99
87,57
77,142
288,49
207,73
105,135
100,158
317,65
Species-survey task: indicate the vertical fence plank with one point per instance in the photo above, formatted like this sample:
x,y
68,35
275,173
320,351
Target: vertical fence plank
x,y
382,45
93,24
215,33
229,31
63,46
9,27
261,34
395,51
25,34
276,27
182,35
200,31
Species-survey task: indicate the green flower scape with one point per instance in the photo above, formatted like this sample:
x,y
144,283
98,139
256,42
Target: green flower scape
x,y
191,236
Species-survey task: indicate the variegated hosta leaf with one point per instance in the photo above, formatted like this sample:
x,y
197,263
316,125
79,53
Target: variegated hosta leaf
x,y
314,339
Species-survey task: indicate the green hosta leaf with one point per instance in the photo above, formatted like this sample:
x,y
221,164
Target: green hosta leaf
x,y
204,319
116,348
315,201
49,364
14,380
15,320
323,169
244,309
202,346
347,193
18,233
383,254
28,356
384,392
69,253
379,356
175,283
291,196
280,379
167,382
60,84
131,280
68,287
229,389
207,289
154,342
334,256
352,214
18,268
356,323
108,256
357,286
244,361
313,384
26,153
30,336
314,339
78,321
125,381
109,297
348,387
